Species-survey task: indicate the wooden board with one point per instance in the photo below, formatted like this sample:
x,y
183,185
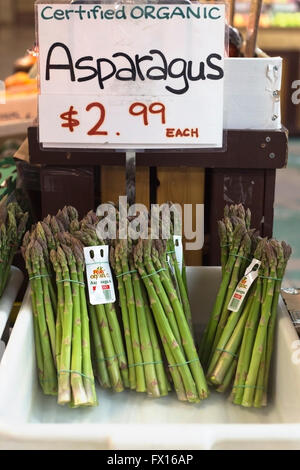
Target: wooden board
x,y
184,186
245,149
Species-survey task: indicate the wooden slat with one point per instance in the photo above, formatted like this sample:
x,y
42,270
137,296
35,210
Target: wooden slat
x,y
245,149
113,184
67,186
184,186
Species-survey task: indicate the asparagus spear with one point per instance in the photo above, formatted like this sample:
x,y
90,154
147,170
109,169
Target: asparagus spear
x,y
159,367
100,366
215,316
117,341
247,345
49,377
88,374
147,351
115,260
60,306
136,344
64,384
269,283
283,252
109,350
184,329
177,360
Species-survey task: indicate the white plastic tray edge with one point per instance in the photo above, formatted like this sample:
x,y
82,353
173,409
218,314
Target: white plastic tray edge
x,y
9,295
144,436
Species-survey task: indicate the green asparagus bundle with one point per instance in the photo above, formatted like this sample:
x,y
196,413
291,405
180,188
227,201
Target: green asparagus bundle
x,y
237,246
12,228
177,275
143,328
55,263
76,385
146,369
168,313
144,345
43,315
251,380
237,345
108,348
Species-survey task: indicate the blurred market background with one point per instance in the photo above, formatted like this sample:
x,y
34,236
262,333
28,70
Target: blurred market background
x,y
279,35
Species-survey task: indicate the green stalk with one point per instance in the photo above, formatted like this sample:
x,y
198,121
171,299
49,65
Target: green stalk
x,y
37,341
136,345
261,331
117,341
184,329
60,306
160,291
184,279
78,389
64,384
146,345
228,379
247,345
126,324
223,244
48,309
41,237
283,253
88,377
228,330
259,391
230,350
182,289
208,339
109,351
169,265
159,366
101,369
50,379
235,278
167,334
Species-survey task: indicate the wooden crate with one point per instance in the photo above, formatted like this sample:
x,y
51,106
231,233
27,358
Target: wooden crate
x,y
244,173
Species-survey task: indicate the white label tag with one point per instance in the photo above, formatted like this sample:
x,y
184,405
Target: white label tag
x,y
244,285
98,274
178,250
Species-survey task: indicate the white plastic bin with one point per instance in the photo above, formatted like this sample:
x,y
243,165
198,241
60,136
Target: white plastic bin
x,y
7,300
30,420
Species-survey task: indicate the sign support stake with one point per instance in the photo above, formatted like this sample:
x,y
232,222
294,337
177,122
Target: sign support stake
x,y
131,177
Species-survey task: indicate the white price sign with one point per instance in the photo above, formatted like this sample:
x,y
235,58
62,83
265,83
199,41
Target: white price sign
x,y
131,76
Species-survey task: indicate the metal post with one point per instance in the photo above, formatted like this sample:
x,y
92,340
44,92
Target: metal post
x,y
130,177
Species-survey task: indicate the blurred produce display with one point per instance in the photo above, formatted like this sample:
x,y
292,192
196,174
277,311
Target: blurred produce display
x,y
279,13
